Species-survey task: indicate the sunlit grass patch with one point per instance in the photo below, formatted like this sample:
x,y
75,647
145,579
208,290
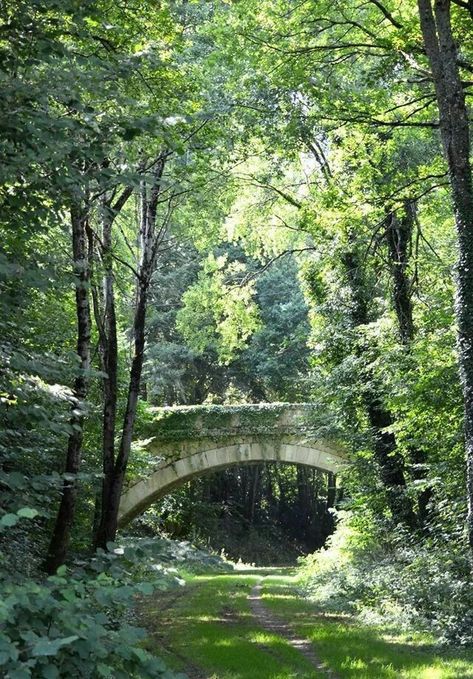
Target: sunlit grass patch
x,y
228,646
212,627
357,651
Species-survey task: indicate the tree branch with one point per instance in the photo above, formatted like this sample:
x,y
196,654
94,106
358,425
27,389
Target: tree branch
x,y
387,14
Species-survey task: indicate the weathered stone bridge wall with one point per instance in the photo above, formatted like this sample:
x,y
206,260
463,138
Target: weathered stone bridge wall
x,y
189,441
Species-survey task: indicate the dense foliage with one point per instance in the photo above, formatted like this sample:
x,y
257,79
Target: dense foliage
x,y
229,203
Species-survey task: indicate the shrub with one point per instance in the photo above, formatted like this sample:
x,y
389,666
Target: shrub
x,y
77,623
390,577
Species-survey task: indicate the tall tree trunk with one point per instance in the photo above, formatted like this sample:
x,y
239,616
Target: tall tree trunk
x,y
390,462
65,517
398,237
303,494
331,490
282,501
454,129
269,488
254,493
107,324
114,483
150,239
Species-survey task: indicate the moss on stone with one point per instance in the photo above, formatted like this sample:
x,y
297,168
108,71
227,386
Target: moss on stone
x,y
190,422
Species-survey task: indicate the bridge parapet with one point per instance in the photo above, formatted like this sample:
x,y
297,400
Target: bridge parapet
x,y
184,423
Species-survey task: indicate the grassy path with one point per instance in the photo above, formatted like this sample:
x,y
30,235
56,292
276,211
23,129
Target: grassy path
x,y
282,628
253,625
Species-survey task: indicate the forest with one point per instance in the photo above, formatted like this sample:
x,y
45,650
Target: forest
x,y
236,339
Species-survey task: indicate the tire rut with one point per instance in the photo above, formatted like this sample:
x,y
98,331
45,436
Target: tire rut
x,y
273,624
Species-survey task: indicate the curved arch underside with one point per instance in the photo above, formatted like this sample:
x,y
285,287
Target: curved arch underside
x,y
168,476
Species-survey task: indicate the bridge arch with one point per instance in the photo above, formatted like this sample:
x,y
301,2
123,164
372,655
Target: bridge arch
x,y
243,436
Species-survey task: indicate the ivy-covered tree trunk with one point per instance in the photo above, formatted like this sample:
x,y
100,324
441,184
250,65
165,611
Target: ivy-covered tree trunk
x,y
399,231
441,50
390,462
398,236
61,533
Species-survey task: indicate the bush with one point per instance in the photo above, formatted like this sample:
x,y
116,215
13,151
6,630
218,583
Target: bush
x,y
389,577
77,624
152,554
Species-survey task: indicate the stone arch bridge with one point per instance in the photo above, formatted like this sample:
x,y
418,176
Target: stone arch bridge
x,y
188,441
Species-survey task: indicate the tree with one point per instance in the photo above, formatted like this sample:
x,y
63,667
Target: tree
x,y
150,238
65,517
442,53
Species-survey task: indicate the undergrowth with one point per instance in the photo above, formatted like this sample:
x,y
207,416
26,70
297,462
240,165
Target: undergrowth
x,y
385,577
81,622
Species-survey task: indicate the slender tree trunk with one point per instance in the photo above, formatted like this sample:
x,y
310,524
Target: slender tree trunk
x,y
269,489
331,490
107,323
149,243
114,483
110,361
282,502
65,517
454,128
254,493
303,496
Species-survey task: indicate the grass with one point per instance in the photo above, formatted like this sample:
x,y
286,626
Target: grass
x,y
211,627
207,630
357,651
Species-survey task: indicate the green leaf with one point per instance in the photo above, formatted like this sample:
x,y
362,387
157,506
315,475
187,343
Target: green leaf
x,y
27,513
19,674
50,671
105,670
145,588
46,646
8,520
